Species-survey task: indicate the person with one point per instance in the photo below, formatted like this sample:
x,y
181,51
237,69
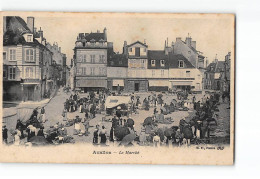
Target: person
x,y
156,140
179,137
16,139
155,111
193,99
64,115
103,137
111,136
20,127
86,124
5,134
40,132
43,117
142,137
95,136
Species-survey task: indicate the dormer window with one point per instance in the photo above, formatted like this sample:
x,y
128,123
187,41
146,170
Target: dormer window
x,y
153,63
130,49
29,38
181,64
162,63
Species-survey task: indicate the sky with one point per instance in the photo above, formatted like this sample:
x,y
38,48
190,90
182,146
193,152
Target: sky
x,y
213,33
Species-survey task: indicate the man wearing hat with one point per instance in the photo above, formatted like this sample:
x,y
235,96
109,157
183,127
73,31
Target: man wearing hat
x,y
5,134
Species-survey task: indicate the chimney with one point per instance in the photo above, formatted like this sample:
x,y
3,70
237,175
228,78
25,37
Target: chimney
x,y
4,24
105,34
40,33
30,23
188,41
167,41
34,30
59,49
125,48
178,39
193,44
216,58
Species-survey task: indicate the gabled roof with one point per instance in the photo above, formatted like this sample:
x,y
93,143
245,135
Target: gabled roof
x,y
136,43
95,36
216,67
174,61
118,60
16,27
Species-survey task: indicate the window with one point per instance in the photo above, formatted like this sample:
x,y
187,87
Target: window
x,y
153,63
137,51
12,73
29,55
92,71
84,58
120,62
29,38
79,71
181,64
162,63
4,56
101,58
142,63
101,71
101,43
29,72
153,72
4,73
162,72
79,59
187,73
144,49
130,49
12,55
83,71
92,58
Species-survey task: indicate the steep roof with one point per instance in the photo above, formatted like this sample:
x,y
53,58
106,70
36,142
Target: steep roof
x,y
95,36
216,67
175,58
157,55
16,27
118,60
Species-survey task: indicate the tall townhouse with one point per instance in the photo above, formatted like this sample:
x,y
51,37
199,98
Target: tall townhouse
x,y
158,70
25,60
117,67
90,53
137,66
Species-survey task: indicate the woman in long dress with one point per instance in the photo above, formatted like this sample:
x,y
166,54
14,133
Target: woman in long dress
x,y
103,137
142,136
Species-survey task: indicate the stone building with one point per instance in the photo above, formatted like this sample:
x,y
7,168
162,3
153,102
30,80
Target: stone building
x,y
117,70
26,61
137,66
90,53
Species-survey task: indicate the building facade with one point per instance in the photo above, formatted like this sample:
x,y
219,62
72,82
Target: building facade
x,y
117,71
137,66
28,71
90,53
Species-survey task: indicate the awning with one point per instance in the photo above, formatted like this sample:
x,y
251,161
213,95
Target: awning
x,y
91,83
181,83
158,82
114,101
118,82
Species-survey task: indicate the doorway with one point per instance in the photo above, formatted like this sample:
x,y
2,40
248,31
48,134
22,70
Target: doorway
x,y
136,86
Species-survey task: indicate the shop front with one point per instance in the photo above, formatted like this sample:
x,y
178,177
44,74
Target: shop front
x,y
137,85
91,84
158,85
183,85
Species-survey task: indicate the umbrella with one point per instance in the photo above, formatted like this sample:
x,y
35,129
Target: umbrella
x,y
160,133
168,132
128,139
148,121
121,132
39,140
130,122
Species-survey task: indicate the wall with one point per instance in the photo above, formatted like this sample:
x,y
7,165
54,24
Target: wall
x,y
143,50
182,48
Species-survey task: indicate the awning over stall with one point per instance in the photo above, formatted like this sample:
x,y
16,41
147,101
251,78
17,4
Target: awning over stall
x,y
91,83
118,82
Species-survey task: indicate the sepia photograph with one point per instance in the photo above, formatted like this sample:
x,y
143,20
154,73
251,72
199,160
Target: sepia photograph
x,y
118,88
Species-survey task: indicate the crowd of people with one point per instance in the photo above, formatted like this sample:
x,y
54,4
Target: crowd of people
x,y
192,130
